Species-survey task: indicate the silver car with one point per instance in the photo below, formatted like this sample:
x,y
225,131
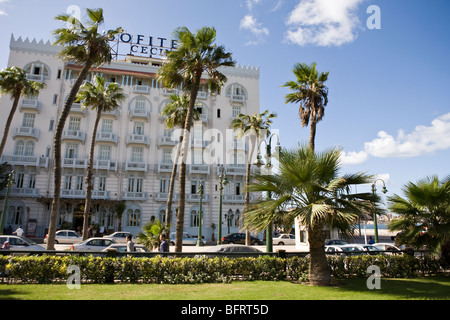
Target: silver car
x,y
283,239
65,236
93,244
119,237
20,243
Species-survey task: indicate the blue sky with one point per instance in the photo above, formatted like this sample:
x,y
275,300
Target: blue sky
x,y
389,88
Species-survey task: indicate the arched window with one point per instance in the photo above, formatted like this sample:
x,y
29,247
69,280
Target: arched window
x,y
194,218
37,71
133,217
15,215
162,216
237,218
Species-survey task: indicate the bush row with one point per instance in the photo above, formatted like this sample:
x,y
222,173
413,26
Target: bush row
x,y
54,269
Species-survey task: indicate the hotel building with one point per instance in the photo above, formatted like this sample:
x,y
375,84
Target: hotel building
x,y
133,151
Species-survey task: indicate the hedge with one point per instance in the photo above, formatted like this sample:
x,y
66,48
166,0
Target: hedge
x,y
53,269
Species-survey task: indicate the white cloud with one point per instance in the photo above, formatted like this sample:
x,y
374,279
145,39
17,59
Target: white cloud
x,y
422,141
250,23
251,3
2,11
323,22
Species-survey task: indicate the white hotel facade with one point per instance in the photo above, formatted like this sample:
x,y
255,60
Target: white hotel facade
x,y
133,148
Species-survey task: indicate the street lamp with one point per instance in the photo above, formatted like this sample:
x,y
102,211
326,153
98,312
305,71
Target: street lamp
x,y
223,180
375,224
199,240
259,163
9,184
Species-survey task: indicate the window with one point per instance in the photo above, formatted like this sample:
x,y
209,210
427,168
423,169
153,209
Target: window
x,y
218,113
58,74
71,151
24,148
55,99
102,184
67,182
140,103
16,215
167,156
135,184
51,125
138,128
31,180
236,111
79,185
237,218
28,120
237,188
164,185
19,180
194,219
104,152
133,218
195,184
137,154
75,123
107,126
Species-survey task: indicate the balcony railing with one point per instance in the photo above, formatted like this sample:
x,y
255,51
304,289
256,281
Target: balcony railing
x,y
162,197
199,169
196,198
168,92
235,170
35,77
106,137
26,161
138,139
141,89
237,98
30,104
26,132
139,113
75,163
100,195
22,192
77,108
165,167
232,198
166,141
105,165
136,166
73,194
74,135
134,196
202,95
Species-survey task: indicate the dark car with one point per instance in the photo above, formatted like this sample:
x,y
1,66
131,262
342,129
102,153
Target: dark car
x,y
239,238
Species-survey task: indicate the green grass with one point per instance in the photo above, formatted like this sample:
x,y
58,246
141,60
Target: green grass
x,y
355,289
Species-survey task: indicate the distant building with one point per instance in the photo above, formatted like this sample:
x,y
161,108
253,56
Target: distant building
x,y
133,147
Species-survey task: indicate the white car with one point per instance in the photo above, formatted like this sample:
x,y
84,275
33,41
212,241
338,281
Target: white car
x,y
188,239
283,239
65,236
386,247
345,249
93,244
20,243
119,237
120,247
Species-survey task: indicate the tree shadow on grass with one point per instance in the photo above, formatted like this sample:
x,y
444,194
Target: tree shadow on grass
x,y
10,294
402,289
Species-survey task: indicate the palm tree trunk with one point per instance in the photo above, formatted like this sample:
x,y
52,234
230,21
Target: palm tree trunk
x,y
172,187
57,152
89,187
312,135
319,272
247,183
184,153
8,122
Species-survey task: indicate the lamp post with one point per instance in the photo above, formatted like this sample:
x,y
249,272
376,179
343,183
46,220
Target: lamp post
x,y
9,184
259,163
199,240
223,180
375,224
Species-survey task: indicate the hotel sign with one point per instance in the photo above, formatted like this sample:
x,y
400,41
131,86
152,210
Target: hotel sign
x,y
142,46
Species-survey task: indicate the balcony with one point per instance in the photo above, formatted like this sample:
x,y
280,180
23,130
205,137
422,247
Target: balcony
x,y
199,143
232,198
235,170
196,198
35,77
166,141
22,192
106,137
136,166
30,104
163,197
100,195
165,167
239,98
26,132
78,109
168,92
28,161
199,169
139,113
138,139
74,135
202,95
134,196
71,163
141,89
105,165
114,113
73,194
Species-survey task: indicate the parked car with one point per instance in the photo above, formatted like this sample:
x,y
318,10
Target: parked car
x,y
347,249
387,247
65,236
283,239
121,247
93,244
226,248
20,243
188,239
371,249
239,238
336,242
119,237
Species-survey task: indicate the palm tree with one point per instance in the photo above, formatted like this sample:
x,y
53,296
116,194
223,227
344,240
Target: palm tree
x,y
13,81
174,115
100,99
196,54
310,91
254,126
308,187
88,47
424,213
150,235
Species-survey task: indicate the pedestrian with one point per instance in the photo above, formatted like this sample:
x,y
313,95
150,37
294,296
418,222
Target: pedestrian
x,y
6,245
19,231
164,246
89,232
130,244
371,241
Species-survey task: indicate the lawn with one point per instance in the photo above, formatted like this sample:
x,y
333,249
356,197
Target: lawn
x,y
355,289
